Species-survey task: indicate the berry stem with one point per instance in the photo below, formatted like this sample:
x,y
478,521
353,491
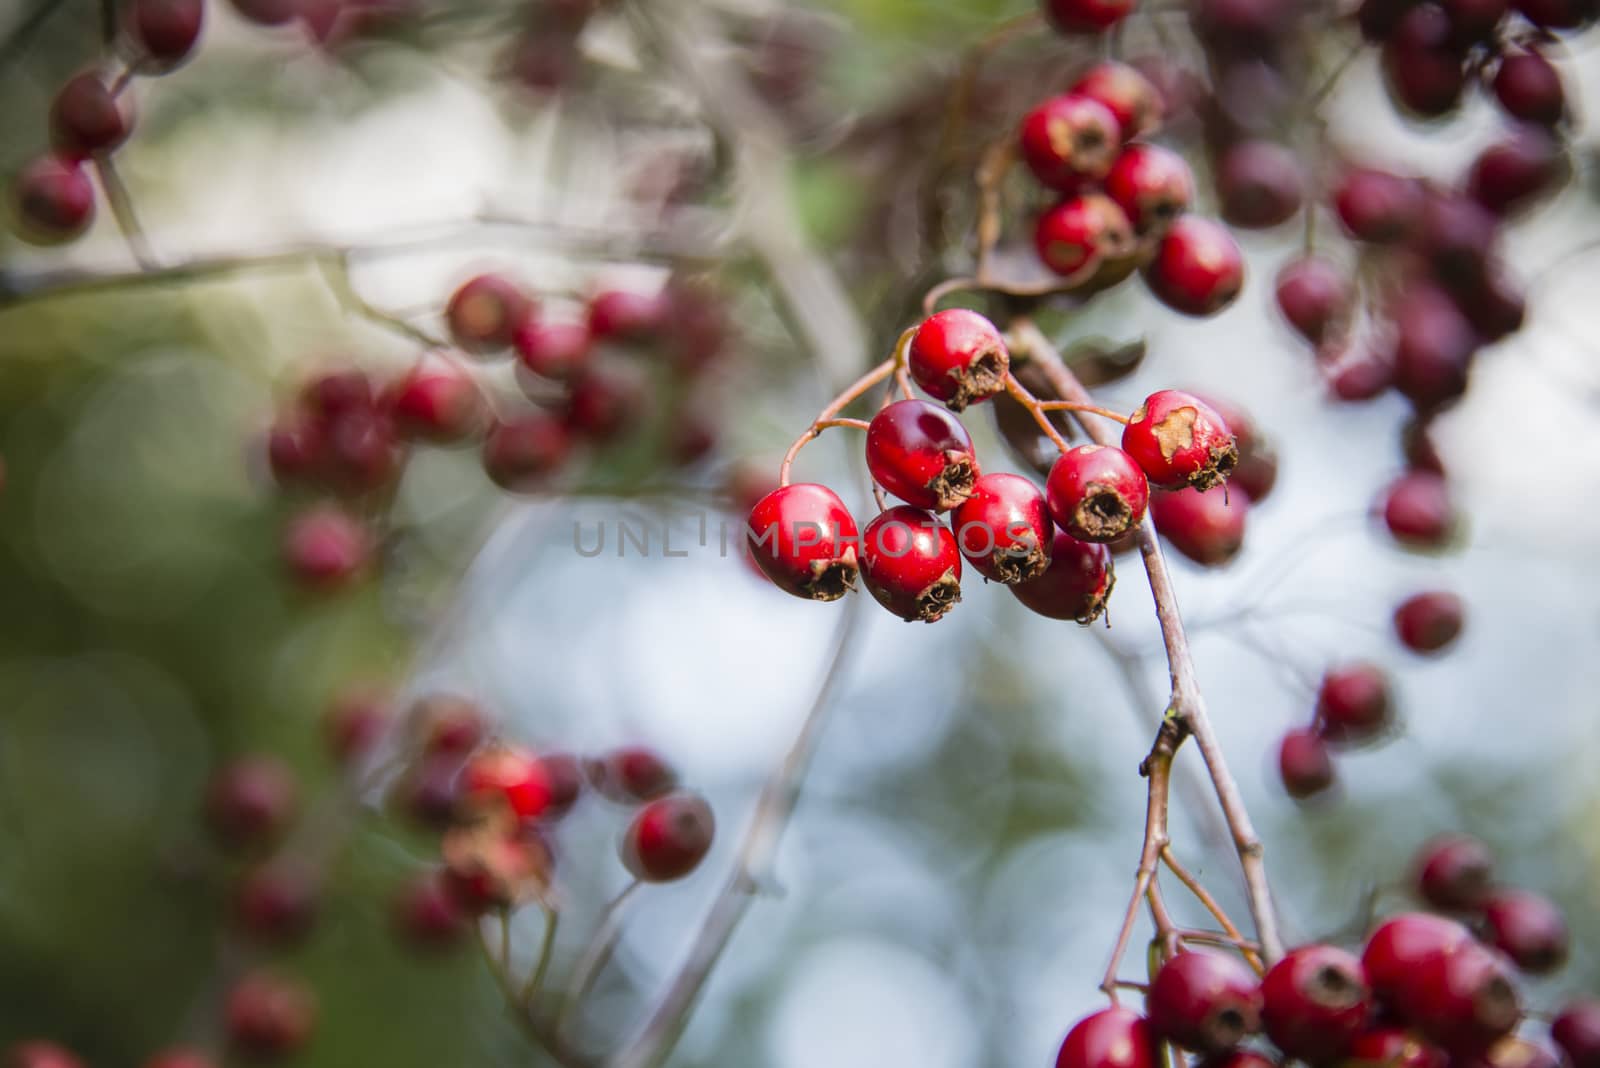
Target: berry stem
x,y
1187,878
828,416
1036,408
336,269
535,981
595,958
1073,406
126,218
1157,768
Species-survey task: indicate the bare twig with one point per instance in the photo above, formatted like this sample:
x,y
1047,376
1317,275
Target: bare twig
x,y
1157,768
122,211
595,958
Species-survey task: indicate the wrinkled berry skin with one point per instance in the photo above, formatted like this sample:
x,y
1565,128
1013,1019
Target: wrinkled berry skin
x,y
1376,206
1097,492
1454,872
1395,1047
958,357
1198,269
1399,946
1069,140
167,29
910,564
522,454
1418,511
1305,766
804,539
922,454
1429,622
485,312
54,201
1207,526
1260,184
1527,927
1004,529
86,119
1152,185
668,838
1075,586
1463,998
1110,1038
1257,470
1528,87
1315,298
1082,234
1315,1002
1576,1029
632,773
1205,1002
1131,98
1179,440
1086,16
1353,704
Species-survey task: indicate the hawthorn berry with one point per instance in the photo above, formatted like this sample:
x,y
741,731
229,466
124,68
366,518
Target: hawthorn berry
x,y
1576,1029
1399,945
1179,440
1259,183
668,838
40,1054
552,349
958,357
1205,1002
54,201
1360,374
448,725
485,312
522,454
565,774
1305,765
1462,998
1004,529
354,723
494,863
1111,1038
250,802
1512,1053
1096,492
910,564
1152,185
1558,14
1516,170
503,775
1428,622
1472,21
269,1016
1076,584
1315,297
1314,1002
804,539
180,1058
438,401
268,12
1198,269
1493,304
1528,87
167,29
1254,26
1086,16
426,915
1419,512
1424,68
1457,236
1082,234
1257,470
1353,704
326,548
603,403
1069,140
1131,98
1394,1047
427,793
85,118
632,773
1453,872
1527,927
1240,1058
1376,206
626,314
277,904
922,454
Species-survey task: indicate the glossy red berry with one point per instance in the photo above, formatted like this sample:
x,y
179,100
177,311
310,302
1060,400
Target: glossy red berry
x,y
1517,170
326,548
910,564
1207,526
1131,97
804,539
269,1016
1376,206
1315,297
277,903
1527,927
1004,529
1528,87
1315,1002
40,1054
922,454
86,118
1463,998
1205,1002
180,1058
54,201
632,773
1495,304
668,838
565,774
958,357
1076,584
1197,269
503,775
1576,1029
1472,21
1353,704
426,915
1110,1038
1152,185
521,455
1070,139
1305,765
1394,1047
1419,512
1428,622
626,315
1097,493
1082,234
485,312
1179,440
1260,184
250,802
1454,872
552,349
438,401
1257,470
167,29
1398,947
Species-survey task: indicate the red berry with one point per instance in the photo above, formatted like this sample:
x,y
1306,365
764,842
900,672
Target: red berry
x,y
958,357
1259,184
1257,470
805,540
668,838
1463,998
1494,304
40,1054
426,914
1315,1002
167,29
269,1016
522,455
85,118
1198,269
1207,526
1305,766
1427,622
1472,21
1454,872
1131,98
1377,206
1086,16
251,801
1512,1053
1360,375
438,401
1075,585
1399,946
1244,25
332,395
632,773
427,792
603,403
1080,235
1206,1002
1576,1030
326,549
1070,139
1180,440
502,775
1394,1047
1152,185
1457,236
626,315
493,865
910,564
1528,87
276,904
486,311
296,453
54,201
447,725
1528,928
1353,704
180,1058
1110,1038
354,724
1315,297
1558,14
1517,170
1418,511
1004,529
1097,493
1433,348
565,774
552,350
1422,64
361,452
922,454
268,12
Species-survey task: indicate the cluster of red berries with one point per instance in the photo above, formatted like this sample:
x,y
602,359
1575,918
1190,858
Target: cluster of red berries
x,y
1427,991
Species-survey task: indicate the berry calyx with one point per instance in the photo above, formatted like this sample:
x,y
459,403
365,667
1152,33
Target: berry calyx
x,y
922,454
1081,234
1004,529
804,539
1395,1047
1527,927
1353,704
1315,1002
632,773
958,357
1097,492
1152,185
85,118
1454,872
1179,440
1260,184
1205,1002
326,548
1305,765
521,455
1207,526
910,564
250,802
1315,297
1418,511
668,838
438,401
167,29
1399,946
1068,140
1131,98
1198,269
503,775
54,201
1110,1038
269,1016
486,311
1428,622
1576,1029
1076,584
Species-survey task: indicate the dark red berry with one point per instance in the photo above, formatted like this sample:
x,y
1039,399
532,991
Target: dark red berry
x,y
1251,26
910,564
426,915
1260,184
1427,622
1516,171
1473,21
603,403
1240,1058
1377,206
1454,872
448,725
626,315
1315,1002
1110,1038
503,775
1069,140
361,452
269,1016
632,773
565,774
552,350
1353,704
1207,526
40,1054
1082,234
54,201
1393,1047
1197,269
268,12
1205,1002
1086,16
1423,66
1305,766
485,312
1529,88
326,548
1075,585
922,454
1179,440
1457,236
1512,1053
333,395
1004,529
1097,493
668,838
1257,470
427,792
1494,305
1131,97
251,801
1315,297
438,401
354,723
167,29
523,454
276,903
958,357
180,1058
1418,511
1463,998
1152,185
85,118
1576,1030
491,864
1360,374
804,540
1528,928
1558,14
1399,946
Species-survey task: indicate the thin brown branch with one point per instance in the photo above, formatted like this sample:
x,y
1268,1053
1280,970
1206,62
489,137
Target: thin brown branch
x,y
1035,408
827,417
126,218
1197,888
595,958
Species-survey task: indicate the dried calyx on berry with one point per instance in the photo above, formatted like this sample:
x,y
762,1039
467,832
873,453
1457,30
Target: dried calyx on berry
x,y
1004,529
922,454
1179,440
805,540
910,564
958,357
1097,492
